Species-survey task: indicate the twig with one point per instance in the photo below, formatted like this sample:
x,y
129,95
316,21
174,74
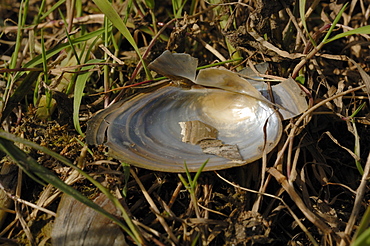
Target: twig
x,y
16,198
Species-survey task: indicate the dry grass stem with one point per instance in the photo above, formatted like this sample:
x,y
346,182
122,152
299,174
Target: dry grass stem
x,y
360,193
298,201
154,208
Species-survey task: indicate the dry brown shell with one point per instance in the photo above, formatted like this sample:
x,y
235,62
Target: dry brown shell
x,y
78,224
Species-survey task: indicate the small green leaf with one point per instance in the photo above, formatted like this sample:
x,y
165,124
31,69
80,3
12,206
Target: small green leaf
x,y
300,79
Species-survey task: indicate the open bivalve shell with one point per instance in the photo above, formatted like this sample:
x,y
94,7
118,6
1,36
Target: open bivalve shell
x,y
229,122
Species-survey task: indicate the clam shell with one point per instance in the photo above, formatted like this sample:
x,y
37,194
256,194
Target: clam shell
x,y
145,131
78,224
232,122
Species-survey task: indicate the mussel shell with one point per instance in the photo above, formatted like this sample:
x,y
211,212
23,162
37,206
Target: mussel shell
x,y
145,131
78,224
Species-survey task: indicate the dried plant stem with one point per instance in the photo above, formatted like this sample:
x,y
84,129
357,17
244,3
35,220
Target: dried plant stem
x,y
83,20
70,13
146,53
294,129
18,210
297,220
298,201
305,59
30,204
281,178
361,190
154,208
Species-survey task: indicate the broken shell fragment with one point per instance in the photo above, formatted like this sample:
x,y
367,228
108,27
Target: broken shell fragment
x,y
195,131
78,224
229,122
176,66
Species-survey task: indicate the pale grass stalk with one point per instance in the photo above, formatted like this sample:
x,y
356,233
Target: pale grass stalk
x,y
30,204
299,202
295,217
296,125
18,210
360,193
155,209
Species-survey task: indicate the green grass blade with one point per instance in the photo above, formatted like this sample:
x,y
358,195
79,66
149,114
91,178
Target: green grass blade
x,y
188,175
41,9
48,94
362,235
302,10
21,22
23,89
69,38
360,30
26,85
336,20
106,7
150,4
19,157
184,182
126,177
38,59
91,46
358,110
302,13
177,7
78,93
27,163
197,175
18,42
32,166
53,7
363,239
